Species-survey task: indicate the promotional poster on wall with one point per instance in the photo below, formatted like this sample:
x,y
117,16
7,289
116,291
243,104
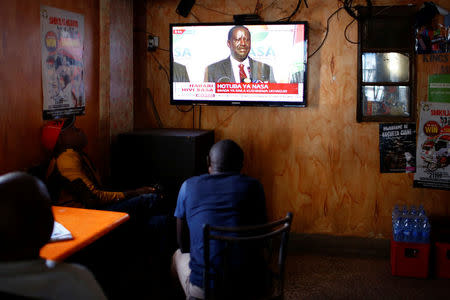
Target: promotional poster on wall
x,y
397,148
62,35
433,146
439,88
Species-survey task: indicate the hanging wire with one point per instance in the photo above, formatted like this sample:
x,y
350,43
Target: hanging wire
x,y
184,110
270,5
161,67
192,14
293,13
155,111
345,33
326,33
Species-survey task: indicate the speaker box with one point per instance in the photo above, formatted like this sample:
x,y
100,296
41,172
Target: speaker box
x,y
184,7
164,156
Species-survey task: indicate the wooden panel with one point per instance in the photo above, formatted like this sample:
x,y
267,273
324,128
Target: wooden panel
x,y
121,66
20,77
317,162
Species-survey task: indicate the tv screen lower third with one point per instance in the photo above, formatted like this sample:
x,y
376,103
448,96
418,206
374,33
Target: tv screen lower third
x,y
228,64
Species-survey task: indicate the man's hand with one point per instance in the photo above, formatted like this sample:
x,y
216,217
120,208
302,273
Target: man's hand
x,y
139,191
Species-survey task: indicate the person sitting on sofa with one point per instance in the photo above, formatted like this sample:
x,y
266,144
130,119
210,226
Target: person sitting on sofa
x,y
26,224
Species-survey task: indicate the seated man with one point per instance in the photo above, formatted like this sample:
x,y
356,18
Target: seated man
x,y
142,242
26,224
224,197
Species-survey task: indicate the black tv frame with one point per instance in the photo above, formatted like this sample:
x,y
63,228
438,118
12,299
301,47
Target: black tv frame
x,y
231,102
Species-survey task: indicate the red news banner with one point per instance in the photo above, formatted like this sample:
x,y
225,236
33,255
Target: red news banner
x,y
257,88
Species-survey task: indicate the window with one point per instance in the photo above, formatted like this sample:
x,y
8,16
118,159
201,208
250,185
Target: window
x,y
386,78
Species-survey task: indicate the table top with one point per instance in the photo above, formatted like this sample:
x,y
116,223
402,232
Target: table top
x,y
86,226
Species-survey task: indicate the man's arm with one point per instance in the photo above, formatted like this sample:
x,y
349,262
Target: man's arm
x,y
183,235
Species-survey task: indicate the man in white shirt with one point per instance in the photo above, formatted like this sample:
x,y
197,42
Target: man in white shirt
x,y
239,67
26,224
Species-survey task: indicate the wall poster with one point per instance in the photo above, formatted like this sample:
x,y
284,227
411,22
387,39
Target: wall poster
x,y
62,35
433,146
439,88
397,148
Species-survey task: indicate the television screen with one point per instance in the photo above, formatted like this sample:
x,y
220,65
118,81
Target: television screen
x,y
229,64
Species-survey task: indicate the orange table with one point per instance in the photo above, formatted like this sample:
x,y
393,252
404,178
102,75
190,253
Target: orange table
x,y
86,226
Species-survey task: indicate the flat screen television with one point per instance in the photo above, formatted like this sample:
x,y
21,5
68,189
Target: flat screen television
x,y
220,64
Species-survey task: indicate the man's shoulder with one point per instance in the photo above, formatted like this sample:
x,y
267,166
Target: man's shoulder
x,y
259,63
219,63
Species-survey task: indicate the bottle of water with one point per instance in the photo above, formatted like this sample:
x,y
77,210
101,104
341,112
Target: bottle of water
x,y
397,229
395,213
416,231
426,228
421,211
407,229
413,211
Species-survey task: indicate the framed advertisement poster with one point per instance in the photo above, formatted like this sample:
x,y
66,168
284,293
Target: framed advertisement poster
x,y
433,146
62,35
397,148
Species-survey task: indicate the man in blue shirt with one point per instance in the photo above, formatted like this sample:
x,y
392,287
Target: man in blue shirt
x,y
224,197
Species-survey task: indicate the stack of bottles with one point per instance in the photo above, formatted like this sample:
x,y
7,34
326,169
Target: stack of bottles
x,y
410,225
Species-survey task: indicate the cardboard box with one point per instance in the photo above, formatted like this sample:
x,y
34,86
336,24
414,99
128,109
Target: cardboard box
x,y
442,261
410,259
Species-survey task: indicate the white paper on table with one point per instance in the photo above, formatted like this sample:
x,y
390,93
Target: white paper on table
x,y
60,233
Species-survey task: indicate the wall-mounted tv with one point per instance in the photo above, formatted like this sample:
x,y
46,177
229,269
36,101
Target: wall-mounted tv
x,y
229,64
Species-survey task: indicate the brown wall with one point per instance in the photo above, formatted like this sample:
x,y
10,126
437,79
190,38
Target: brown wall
x,y
317,162
20,80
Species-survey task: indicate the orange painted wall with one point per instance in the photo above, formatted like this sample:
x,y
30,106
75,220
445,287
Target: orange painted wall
x,y
317,162
20,80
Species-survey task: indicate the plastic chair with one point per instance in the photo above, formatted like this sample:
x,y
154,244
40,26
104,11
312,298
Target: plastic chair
x,y
251,262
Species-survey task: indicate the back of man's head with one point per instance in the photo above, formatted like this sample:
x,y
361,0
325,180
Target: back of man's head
x,y
26,218
225,156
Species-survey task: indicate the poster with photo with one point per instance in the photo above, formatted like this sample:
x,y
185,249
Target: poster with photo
x,y
433,146
62,35
397,148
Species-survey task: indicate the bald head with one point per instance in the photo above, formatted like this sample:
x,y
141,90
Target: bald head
x,y
225,156
26,218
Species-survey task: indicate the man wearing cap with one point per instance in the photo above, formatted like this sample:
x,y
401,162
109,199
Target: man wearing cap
x,y
71,176
73,181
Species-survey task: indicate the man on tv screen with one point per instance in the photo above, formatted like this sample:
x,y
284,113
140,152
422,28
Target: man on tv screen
x,y
180,73
239,67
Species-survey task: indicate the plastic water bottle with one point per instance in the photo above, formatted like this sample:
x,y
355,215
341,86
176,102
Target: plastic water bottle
x,y
421,211
407,229
413,211
426,228
395,213
416,231
397,229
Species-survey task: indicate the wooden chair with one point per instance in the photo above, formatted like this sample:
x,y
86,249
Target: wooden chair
x,y
251,263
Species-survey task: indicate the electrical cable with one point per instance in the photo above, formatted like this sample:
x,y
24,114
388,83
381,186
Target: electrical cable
x,y
345,33
161,66
193,118
185,111
155,111
326,33
198,20
293,13
199,117
268,6
351,10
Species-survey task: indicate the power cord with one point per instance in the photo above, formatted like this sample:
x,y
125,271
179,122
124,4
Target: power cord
x,y
326,33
